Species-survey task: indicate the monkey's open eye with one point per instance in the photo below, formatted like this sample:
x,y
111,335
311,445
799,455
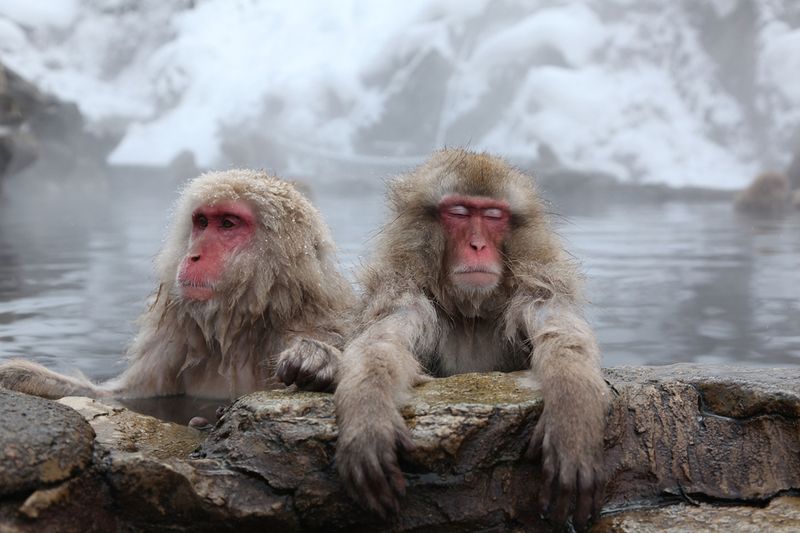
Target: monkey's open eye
x,y
458,210
202,221
229,222
493,212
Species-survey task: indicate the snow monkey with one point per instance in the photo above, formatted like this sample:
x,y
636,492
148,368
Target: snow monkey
x,y
768,194
248,294
469,277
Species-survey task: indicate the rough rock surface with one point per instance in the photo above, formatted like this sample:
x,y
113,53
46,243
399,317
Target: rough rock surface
x,y
720,432
470,431
41,443
681,433
781,515
117,428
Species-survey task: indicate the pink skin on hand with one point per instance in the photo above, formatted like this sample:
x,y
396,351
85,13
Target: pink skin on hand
x,y
218,230
475,227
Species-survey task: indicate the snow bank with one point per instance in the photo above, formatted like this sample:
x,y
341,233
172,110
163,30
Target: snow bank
x,y
638,89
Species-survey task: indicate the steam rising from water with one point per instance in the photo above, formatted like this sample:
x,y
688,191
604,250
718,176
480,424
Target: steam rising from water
x,y
667,283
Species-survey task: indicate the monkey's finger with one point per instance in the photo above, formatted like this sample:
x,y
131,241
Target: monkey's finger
x,y
392,475
564,491
599,492
549,481
304,378
321,383
360,492
584,499
286,370
404,442
353,482
363,487
534,451
390,504
379,487
396,480
386,502
320,380
421,379
371,502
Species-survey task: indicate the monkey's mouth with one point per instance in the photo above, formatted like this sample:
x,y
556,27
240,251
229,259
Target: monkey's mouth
x,y
196,290
476,277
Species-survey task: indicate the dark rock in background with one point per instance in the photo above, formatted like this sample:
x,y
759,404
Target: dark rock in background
x,y
768,194
571,190
793,172
42,135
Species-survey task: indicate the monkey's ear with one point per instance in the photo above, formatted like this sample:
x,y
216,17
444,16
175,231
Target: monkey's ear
x,y
519,221
431,211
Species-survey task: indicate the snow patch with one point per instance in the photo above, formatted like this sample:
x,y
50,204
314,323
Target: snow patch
x,y
626,87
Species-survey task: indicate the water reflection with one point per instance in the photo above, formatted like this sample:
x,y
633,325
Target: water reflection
x,y
668,283
692,283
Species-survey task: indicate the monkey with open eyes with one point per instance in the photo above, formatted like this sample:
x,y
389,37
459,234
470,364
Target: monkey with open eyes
x,y
248,296
469,277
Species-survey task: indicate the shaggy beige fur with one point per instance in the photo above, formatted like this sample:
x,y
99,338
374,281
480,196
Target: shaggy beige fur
x,y
414,323
283,304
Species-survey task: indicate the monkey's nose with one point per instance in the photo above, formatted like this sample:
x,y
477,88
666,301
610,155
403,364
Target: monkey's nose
x,y
477,245
194,258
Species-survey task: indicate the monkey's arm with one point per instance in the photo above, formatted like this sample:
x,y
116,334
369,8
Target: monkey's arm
x,y
568,438
378,369
33,378
152,371
156,357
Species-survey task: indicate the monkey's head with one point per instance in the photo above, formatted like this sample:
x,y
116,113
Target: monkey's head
x,y
467,222
771,184
247,242
220,231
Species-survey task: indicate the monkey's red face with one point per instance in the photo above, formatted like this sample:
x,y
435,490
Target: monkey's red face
x,y
218,231
475,227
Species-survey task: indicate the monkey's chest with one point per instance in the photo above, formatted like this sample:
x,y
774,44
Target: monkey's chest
x,y
474,346
205,381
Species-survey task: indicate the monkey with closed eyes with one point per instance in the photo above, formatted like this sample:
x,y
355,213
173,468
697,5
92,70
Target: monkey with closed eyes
x,y
469,277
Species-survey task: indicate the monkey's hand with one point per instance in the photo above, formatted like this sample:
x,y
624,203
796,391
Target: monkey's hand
x,y
310,364
568,440
366,457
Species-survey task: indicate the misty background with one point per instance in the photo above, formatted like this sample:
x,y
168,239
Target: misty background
x,y
638,118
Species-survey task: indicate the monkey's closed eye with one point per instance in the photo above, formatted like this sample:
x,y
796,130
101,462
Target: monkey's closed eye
x,y
458,210
493,212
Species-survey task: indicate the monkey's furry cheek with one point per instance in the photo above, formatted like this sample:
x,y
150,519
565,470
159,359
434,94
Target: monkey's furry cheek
x,y
310,364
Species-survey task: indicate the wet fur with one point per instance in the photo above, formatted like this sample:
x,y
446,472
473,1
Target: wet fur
x,y
413,323
281,289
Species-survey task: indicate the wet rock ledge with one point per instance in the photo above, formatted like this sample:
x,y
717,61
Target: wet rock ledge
x,y
687,448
